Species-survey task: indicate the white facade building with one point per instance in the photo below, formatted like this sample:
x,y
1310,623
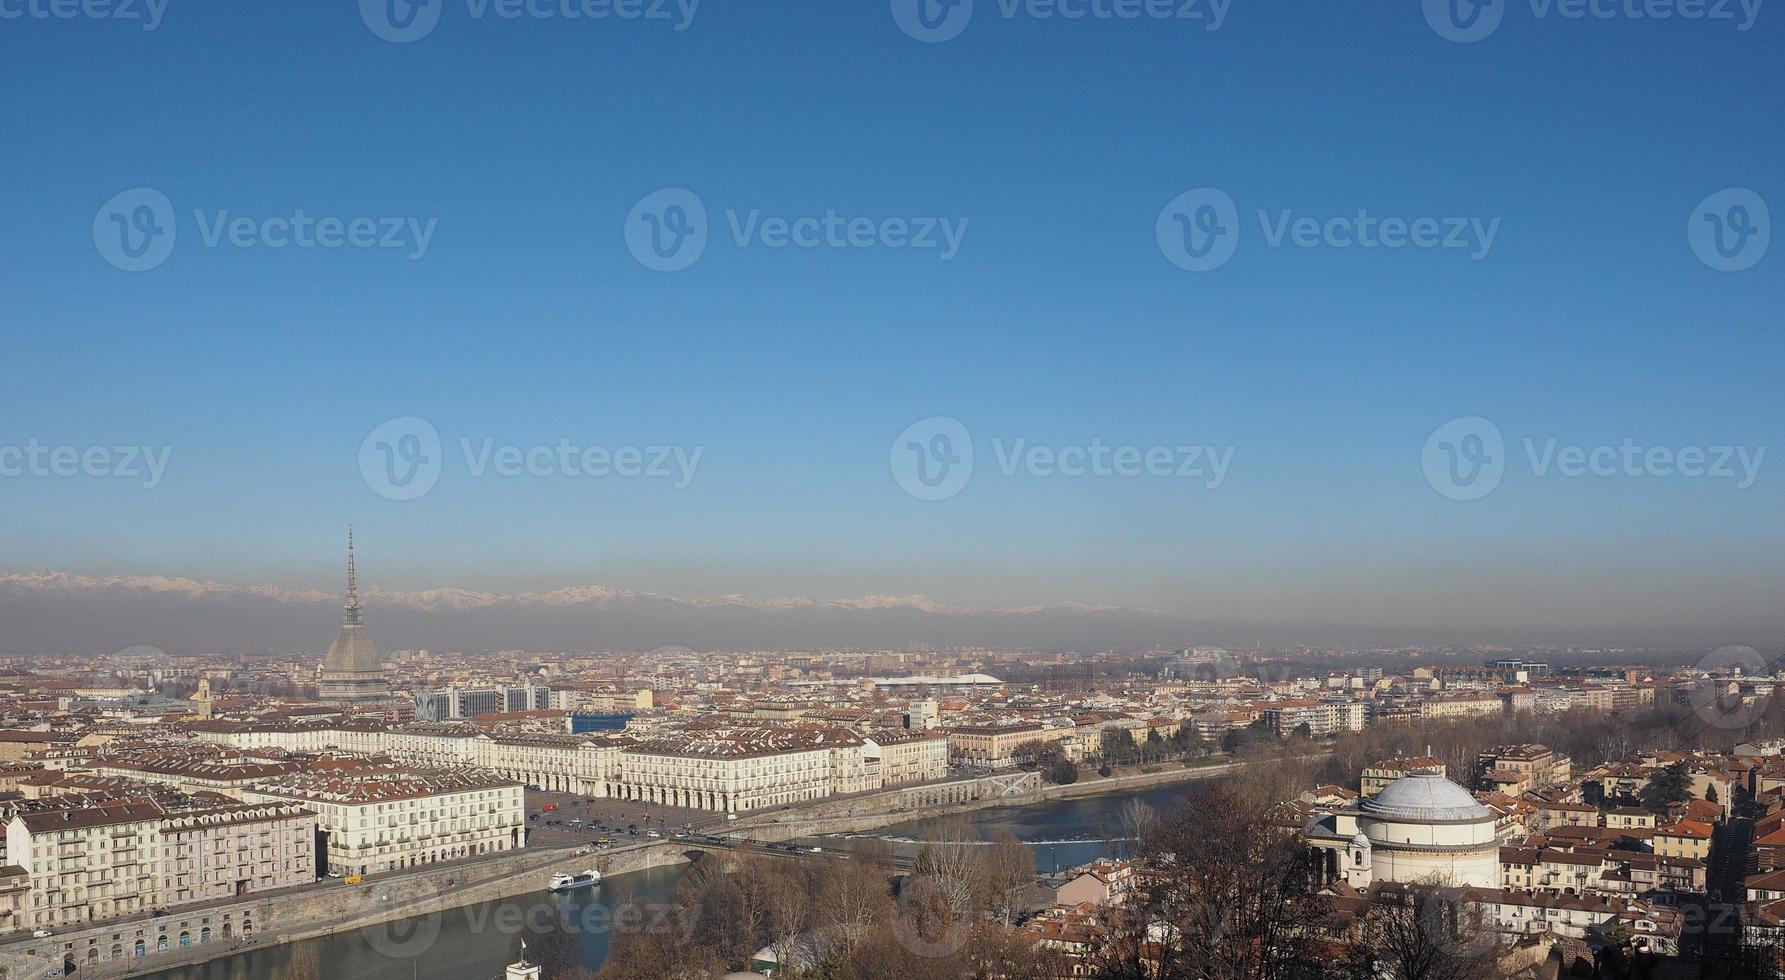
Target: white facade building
x,y
386,820
1421,829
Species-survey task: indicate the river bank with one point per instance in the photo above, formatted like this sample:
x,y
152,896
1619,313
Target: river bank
x,y
388,905
470,940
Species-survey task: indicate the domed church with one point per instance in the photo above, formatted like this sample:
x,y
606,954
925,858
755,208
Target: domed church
x,y
352,673
1422,828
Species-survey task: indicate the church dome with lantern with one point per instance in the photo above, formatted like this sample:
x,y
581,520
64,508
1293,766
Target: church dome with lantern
x,y
1421,828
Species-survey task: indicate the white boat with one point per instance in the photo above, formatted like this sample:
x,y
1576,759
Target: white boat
x,y
562,882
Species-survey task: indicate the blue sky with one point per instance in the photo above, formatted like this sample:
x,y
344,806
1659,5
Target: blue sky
x,y
528,320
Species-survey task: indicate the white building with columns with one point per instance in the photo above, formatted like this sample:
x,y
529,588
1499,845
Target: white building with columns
x,y
743,771
1421,829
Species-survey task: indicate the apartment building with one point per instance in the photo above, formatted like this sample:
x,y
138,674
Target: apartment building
x,y
15,890
1526,767
234,850
193,772
1377,776
86,863
388,818
1684,839
909,755
1629,818
1323,718
1461,706
1577,916
994,746
1565,814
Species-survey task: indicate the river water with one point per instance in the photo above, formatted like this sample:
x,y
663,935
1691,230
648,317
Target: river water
x,y
474,943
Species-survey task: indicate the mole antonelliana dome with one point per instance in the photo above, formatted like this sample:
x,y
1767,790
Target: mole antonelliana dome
x,y
352,672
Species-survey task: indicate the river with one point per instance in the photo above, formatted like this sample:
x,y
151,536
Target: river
x,y
474,943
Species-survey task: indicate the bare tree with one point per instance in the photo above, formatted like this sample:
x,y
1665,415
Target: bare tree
x,y
1137,819
1009,875
949,859
1421,933
1229,897
790,918
755,884
855,896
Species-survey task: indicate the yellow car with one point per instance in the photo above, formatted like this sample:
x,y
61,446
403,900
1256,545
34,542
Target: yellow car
x,y
355,879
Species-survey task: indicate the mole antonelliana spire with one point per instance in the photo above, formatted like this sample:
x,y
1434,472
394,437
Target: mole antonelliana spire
x,y
350,611
352,672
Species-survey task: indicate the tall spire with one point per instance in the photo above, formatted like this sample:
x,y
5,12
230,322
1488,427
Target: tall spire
x,y
350,611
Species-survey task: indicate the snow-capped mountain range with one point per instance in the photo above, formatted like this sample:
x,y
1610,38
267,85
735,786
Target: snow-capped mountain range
x,y
61,612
